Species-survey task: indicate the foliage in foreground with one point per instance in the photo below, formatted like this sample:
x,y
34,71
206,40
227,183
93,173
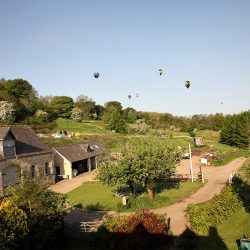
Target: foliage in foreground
x,y
37,207
144,229
13,225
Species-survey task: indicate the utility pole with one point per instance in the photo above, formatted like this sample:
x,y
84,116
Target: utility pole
x,y
191,165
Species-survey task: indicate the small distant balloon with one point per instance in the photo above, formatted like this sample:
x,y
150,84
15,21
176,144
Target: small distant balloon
x,y
187,84
129,97
160,71
96,74
137,95
221,103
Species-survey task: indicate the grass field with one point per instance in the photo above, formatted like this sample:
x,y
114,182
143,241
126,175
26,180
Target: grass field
x,y
208,135
228,232
90,131
100,197
81,127
232,229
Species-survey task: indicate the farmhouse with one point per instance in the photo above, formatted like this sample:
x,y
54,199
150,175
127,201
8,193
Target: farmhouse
x,y
22,150
73,159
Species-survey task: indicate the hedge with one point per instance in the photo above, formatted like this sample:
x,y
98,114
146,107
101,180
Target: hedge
x,y
208,214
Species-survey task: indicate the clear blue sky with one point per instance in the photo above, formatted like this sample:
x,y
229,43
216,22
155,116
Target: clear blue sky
x,y
57,45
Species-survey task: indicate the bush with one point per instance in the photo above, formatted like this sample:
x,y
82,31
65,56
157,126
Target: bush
x,y
142,230
213,212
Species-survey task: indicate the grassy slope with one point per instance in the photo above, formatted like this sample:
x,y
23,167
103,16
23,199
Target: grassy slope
x,y
228,232
93,127
234,228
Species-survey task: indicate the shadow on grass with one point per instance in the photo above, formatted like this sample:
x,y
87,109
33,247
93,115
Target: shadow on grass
x,y
242,189
91,207
161,186
141,239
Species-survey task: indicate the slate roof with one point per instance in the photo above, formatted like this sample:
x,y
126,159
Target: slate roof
x,y
77,152
3,132
27,142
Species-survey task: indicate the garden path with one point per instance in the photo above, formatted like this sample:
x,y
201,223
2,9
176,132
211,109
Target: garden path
x,y
216,179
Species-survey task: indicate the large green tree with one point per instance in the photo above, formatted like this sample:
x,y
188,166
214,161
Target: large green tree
x,y
141,163
113,118
235,131
62,106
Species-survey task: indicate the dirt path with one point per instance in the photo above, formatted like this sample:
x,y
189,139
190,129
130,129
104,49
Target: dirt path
x,y
217,177
65,186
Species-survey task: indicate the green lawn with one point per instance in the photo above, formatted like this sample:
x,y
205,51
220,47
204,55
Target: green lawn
x,y
230,231
100,197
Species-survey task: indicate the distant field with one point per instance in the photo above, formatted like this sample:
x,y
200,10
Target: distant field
x,y
209,135
82,127
94,131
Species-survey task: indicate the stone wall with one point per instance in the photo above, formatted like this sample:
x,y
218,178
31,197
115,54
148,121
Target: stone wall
x,y
26,163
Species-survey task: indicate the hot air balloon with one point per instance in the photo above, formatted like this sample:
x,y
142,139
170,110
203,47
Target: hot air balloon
x,y
187,84
137,95
96,74
221,103
129,97
160,71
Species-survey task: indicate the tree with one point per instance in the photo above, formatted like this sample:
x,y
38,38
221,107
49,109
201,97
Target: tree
x,y
114,173
42,115
62,106
76,115
87,107
112,106
7,111
142,163
130,115
99,111
21,89
113,119
234,131
13,225
44,208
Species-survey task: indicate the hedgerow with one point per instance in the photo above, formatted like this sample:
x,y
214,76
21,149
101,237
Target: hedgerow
x,y
208,214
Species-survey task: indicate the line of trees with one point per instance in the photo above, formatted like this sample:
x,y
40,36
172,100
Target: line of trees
x,y
20,103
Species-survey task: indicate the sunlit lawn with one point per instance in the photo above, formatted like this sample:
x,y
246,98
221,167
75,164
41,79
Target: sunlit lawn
x,y
230,231
81,127
102,198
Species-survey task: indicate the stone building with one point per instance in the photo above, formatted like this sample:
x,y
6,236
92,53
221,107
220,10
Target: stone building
x,y
22,150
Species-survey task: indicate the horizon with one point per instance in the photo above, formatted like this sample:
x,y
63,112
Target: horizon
x,y
57,46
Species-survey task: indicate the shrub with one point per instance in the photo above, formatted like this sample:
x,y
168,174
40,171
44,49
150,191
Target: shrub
x,y
142,230
13,225
213,212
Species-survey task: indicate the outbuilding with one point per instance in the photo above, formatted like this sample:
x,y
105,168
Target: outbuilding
x,y
71,160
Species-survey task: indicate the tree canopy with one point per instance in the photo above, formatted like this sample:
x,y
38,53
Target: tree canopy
x,y
235,130
140,163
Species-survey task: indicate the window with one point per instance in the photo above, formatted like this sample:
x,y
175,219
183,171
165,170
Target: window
x,y
33,171
46,169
